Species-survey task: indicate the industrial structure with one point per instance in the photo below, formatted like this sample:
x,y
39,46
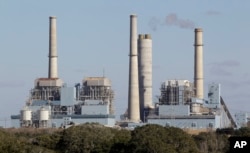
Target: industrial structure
x,y
145,73
242,119
53,104
198,63
133,91
181,103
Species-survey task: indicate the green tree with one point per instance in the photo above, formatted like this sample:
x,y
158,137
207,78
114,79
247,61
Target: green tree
x,y
87,138
47,140
120,141
212,142
158,139
243,132
9,143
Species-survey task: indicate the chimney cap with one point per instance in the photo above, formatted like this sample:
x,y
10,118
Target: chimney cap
x,y
198,29
52,17
133,15
147,36
141,36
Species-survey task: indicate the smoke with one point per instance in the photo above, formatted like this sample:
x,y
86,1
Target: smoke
x,y
223,68
226,63
219,71
153,23
171,20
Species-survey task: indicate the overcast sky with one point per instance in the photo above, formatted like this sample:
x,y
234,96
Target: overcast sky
x,y
94,36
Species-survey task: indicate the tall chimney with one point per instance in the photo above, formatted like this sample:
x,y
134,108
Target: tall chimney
x,y
145,73
198,63
52,48
133,89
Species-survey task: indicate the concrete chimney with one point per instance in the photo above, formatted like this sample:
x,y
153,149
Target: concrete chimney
x,y
133,89
198,63
145,73
52,48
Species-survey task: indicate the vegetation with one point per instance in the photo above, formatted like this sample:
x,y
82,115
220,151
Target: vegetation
x,y
211,142
95,138
155,138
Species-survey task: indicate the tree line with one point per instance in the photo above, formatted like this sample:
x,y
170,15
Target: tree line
x,y
96,138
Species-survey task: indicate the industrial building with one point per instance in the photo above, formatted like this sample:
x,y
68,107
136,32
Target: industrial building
x,y
242,119
181,103
53,104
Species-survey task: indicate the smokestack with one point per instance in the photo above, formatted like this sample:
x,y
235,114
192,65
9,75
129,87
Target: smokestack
x,y
198,63
52,48
145,73
133,90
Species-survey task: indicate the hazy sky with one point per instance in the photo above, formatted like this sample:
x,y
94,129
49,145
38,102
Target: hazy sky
x,y
93,35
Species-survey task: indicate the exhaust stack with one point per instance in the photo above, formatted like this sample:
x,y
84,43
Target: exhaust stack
x,y
133,89
198,63
52,48
145,73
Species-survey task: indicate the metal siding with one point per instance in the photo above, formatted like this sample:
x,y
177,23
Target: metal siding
x,y
214,96
68,96
183,123
175,110
104,121
95,109
97,81
49,82
241,119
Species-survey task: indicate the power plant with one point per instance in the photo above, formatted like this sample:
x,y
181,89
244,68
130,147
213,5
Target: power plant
x,y
53,104
181,103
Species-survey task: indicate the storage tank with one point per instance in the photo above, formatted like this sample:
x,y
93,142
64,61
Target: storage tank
x,y
43,114
195,108
26,114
